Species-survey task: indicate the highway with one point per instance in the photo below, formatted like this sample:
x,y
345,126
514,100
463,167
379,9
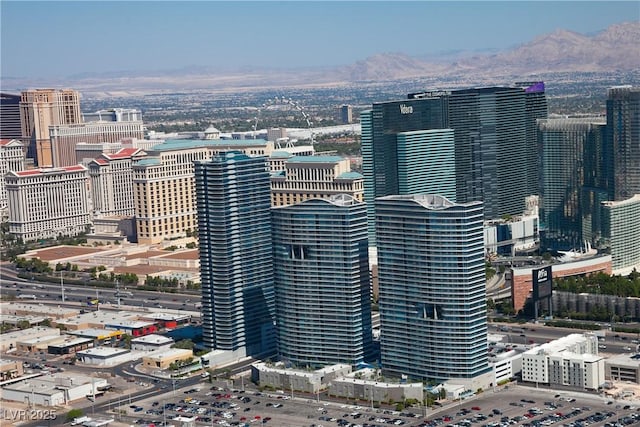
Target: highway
x,y
524,334
44,291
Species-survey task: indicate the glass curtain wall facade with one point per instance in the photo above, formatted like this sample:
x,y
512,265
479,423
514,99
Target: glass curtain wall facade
x,y
564,147
432,287
621,230
426,163
535,104
491,152
323,299
623,148
236,259
380,128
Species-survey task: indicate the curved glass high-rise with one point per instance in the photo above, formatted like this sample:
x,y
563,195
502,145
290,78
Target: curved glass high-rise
x,y
236,260
433,315
323,299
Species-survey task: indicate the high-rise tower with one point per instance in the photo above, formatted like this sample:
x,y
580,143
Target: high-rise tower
x,y
535,103
10,127
566,202
432,287
323,299
398,154
236,260
41,108
623,148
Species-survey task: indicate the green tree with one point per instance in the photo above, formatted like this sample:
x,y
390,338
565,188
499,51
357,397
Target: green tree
x,y
73,414
186,344
23,324
127,340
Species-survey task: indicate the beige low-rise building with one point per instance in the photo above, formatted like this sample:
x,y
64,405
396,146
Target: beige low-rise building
x,y
163,359
9,340
10,369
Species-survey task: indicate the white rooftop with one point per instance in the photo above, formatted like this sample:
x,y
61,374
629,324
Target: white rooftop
x,y
103,351
152,339
559,345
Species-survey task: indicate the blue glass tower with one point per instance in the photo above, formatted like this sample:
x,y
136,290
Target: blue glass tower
x,y
323,300
236,259
433,315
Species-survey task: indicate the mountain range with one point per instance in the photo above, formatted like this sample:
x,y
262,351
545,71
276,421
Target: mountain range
x,y
616,48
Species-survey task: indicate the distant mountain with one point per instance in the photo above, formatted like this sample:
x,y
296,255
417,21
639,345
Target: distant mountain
x,y
616,48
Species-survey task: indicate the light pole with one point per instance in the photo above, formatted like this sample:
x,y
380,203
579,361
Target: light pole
x,y
61,287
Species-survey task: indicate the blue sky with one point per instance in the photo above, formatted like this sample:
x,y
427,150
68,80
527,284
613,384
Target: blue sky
x,y
59,39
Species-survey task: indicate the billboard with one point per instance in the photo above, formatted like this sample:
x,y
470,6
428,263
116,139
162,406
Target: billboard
x,y
542,284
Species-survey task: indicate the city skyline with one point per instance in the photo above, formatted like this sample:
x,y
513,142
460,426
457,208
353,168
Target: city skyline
x,y
272,34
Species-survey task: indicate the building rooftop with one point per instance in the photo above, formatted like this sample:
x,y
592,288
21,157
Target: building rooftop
x,y
350,175
51,384
25,334
183,254
147,254
315,159
152,339
185,144
169,353
627,359
128,324
71,341
165,316
62,252
559,345
103,351
281,154
95,333
429,201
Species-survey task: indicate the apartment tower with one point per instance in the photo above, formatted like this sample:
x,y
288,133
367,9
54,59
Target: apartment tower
x,y
431,277
323,298
236,258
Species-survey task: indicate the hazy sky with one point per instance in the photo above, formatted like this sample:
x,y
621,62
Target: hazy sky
x,y
58,39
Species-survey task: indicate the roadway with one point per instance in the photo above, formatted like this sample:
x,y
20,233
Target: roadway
x,y
531,334
45,291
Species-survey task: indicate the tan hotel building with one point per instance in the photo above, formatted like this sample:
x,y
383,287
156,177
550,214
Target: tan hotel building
x,y
45,203
65,137
11,159
41,108
111,177
164,184
314,177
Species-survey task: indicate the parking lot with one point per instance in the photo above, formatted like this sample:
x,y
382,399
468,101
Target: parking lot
x,y
531,407
517,406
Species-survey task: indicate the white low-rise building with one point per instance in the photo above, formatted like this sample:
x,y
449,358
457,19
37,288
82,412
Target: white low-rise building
x,y
571,361
299,380
151,343
54,390
106,356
